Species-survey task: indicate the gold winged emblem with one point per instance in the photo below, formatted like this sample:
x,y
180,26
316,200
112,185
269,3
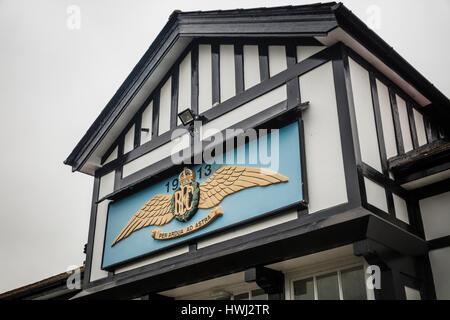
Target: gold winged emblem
x,y
190,196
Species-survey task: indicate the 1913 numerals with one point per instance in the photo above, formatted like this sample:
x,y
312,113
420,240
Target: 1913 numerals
x,y
201,172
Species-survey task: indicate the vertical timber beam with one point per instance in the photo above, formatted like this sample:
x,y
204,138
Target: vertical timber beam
x,y
194,79
239,67
381,143
293,101
215,61
263,61
174,97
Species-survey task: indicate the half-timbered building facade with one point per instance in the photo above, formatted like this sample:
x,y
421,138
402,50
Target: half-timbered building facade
x,y
360,187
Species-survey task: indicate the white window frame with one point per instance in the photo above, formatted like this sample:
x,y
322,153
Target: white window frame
x,y
315,274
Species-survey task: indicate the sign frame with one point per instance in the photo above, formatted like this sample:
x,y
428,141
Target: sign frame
x,y
300,204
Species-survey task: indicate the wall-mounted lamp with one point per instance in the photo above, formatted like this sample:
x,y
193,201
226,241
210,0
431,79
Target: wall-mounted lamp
x,y
188,118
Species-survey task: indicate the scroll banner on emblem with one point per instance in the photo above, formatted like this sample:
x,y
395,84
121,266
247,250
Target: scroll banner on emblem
x,y
158,234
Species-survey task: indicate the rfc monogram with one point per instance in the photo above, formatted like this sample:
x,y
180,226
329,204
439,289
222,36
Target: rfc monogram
x,y
184,202
191,196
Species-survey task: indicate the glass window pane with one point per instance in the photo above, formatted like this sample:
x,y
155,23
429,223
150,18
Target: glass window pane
x,y
242,296
304,289
259,294
328,287
353,284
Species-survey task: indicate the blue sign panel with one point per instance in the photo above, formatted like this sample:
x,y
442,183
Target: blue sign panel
x,y
206,198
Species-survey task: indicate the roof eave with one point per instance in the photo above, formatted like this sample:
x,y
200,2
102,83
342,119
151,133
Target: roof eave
x,y
344,18
105,115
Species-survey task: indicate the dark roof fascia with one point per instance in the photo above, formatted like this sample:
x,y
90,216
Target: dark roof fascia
x,y
241,21
184,24
374,43
316,8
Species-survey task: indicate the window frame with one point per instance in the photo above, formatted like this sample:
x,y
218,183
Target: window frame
x,y
250,294
332,269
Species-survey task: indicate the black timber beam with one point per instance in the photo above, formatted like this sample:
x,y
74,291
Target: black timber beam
x,y
426,160
306,235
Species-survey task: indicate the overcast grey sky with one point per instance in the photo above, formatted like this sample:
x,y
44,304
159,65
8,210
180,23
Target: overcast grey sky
x,y
54,81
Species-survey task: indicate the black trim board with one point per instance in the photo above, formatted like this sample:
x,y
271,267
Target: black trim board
x,y
396,270
194,79
310,234
380,137
256,91
277,115
347,122
263,62
154,97
237,40
431,190
91,233
239,67
439,243
215,76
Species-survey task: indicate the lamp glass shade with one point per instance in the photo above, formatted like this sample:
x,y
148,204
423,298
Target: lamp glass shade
x,y
186,116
